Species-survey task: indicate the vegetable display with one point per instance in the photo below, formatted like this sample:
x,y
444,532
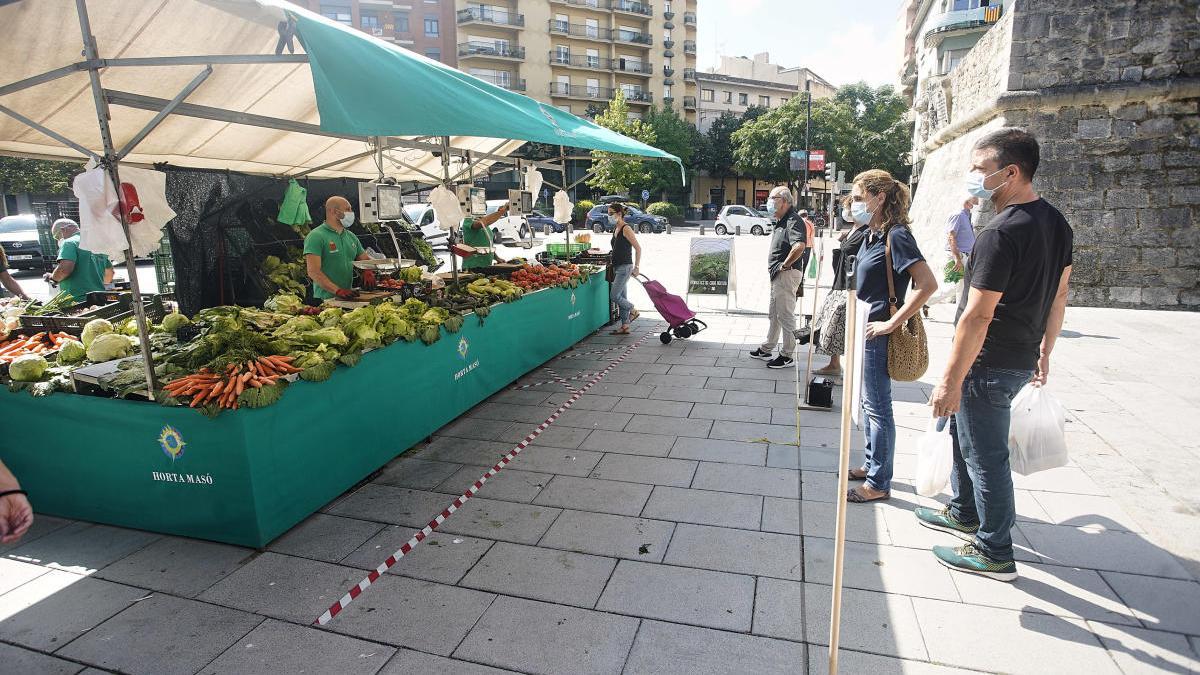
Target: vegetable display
x,y
229,389
38,343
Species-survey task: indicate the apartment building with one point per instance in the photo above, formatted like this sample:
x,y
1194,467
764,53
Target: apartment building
x,y
575,54
424,26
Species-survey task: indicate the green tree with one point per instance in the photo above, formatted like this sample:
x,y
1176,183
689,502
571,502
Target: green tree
x,y
36,176
612,173
717,157
677,136
859,128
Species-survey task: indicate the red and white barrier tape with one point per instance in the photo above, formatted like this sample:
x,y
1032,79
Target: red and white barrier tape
x,y
575,355
420,536
560,379
557,378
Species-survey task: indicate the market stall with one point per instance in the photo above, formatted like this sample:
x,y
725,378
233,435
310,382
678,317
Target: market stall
x,y
251,418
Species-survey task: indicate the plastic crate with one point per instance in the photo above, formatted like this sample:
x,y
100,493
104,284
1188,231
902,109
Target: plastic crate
x,y
164,271
566,250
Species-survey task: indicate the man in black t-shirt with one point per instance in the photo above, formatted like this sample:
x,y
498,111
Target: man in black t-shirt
x,y
1020,269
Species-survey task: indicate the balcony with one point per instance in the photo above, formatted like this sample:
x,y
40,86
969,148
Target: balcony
x,y
586,93
689,102
489,16
689,18
639,97
668,71
668,15
634,38
689,74
633,67
668,101
631,7
689,47
581,31
490,50
961,22
509,83
668,44
604,5
580,61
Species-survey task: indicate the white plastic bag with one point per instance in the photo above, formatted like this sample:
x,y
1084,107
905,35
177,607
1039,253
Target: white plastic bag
x,y
1036,436
446,209
562,207
935,458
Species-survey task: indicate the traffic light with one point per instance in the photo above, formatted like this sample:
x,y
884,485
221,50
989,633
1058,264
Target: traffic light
x,y
830,172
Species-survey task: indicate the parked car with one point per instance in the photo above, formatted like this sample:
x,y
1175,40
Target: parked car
x,y
597,219
537,221
507,228
423,217
19,237
734,215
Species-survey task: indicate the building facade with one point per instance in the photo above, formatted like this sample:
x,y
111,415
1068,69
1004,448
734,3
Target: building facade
x,y
425,26
1111,90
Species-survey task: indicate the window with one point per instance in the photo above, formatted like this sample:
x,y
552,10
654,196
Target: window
x,y
631,116
783,100
959,5
666,35
667,6
369,20
431,26
565,108
561,23
764,101
562,54
951,58
563,85
743,99
707,95
666,91
338,11
593,88
401,21
434,53
593,27
593,58
728,96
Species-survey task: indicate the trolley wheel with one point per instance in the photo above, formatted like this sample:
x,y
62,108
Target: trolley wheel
x,y
683,332
665,337
694,326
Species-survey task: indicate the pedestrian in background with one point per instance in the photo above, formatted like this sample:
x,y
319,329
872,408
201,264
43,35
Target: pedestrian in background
x,y
625,265
789,239
830,325
881,202
960,237
7,280
1020,276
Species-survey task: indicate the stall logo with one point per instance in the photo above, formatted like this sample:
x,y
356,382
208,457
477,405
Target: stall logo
x,y
575,314
171,443
463,346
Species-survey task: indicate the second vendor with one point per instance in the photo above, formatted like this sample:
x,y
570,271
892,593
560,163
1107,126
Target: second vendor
x,y
330,251
477,232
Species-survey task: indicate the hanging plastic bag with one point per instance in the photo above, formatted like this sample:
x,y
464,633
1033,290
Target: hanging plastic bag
x,y
1037,434
812,267
935,458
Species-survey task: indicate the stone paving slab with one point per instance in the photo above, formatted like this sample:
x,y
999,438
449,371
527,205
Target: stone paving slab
x,y
326,538
472,427
590,494
18,660
548,639
555,436
1138,651
586,402
510,412
678,594
732,413
716,450
1162,604
545,459
1052,589
1085,511
592,419
505,521
414,473
14,573
753,432
704,507
1101,549
687,395
759,480
284,587
397,506
82,547
413,613
448,449
674,426
57,607
42,526
277,647
671,649
510,485
872,567
561,577
441,557
610,535
407,662
764,554
649,444
178,566
654,406
743,391
159,635
651,470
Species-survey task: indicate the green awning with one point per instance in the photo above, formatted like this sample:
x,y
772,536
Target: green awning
x,y
368,87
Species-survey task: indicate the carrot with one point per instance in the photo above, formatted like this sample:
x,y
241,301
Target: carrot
x,y
252,367
241,384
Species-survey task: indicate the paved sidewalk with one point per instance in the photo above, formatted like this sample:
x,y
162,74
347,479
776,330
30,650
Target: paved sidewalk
x,y
669,523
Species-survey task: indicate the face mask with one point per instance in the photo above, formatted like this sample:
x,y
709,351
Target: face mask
x,y
612,220
771,206
847,216
974,184
859,212
347,219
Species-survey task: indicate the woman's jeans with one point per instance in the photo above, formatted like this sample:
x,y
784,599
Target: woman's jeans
x,y
620,288
982,479
879,424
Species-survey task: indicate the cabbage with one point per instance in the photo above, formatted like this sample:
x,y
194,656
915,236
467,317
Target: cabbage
x,y
107,347
174,321
94,328
284,302
27,368
329,336
330,316
71,352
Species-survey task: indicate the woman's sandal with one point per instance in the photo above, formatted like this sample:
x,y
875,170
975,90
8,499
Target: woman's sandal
x,y
855,496
634,314
857,474
619,332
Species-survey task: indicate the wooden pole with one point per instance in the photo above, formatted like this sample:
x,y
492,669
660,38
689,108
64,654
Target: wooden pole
x,y
839,540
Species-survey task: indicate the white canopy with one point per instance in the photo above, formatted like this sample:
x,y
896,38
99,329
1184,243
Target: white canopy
x,y
253,117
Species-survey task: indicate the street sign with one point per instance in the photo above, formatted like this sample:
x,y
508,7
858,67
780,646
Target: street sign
x,y
545,193
796,160
816,160
645,195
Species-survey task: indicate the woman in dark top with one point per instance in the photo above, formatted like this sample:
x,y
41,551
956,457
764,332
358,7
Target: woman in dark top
x,y
882,202
625,265
831,320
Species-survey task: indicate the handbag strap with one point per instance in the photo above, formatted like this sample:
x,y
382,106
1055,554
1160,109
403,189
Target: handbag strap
x,y
887,257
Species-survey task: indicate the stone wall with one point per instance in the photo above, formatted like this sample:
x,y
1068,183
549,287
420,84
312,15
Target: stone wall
x,y
1112,91
983,74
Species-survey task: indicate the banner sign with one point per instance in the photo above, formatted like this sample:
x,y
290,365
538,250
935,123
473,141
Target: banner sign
x,y
710,266
816,160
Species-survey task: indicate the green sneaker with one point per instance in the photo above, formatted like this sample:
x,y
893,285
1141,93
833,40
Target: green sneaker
x,y
967,558
943,521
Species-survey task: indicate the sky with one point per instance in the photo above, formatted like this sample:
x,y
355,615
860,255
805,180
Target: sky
x,y
842,42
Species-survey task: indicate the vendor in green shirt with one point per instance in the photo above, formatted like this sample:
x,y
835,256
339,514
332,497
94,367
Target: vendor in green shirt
x,y
330,251
79,271
477,232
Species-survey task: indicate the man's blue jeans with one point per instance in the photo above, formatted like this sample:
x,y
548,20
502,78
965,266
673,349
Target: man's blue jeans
x,y
982,479
878,422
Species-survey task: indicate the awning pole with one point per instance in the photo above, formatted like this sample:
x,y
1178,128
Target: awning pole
x,y
454,227
562,157
843,482
110,164
167,110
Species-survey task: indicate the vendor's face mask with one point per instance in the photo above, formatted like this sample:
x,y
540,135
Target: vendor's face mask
x,y
347,219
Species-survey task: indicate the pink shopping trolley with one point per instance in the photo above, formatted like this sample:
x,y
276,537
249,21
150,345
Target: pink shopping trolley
x,y
682,320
